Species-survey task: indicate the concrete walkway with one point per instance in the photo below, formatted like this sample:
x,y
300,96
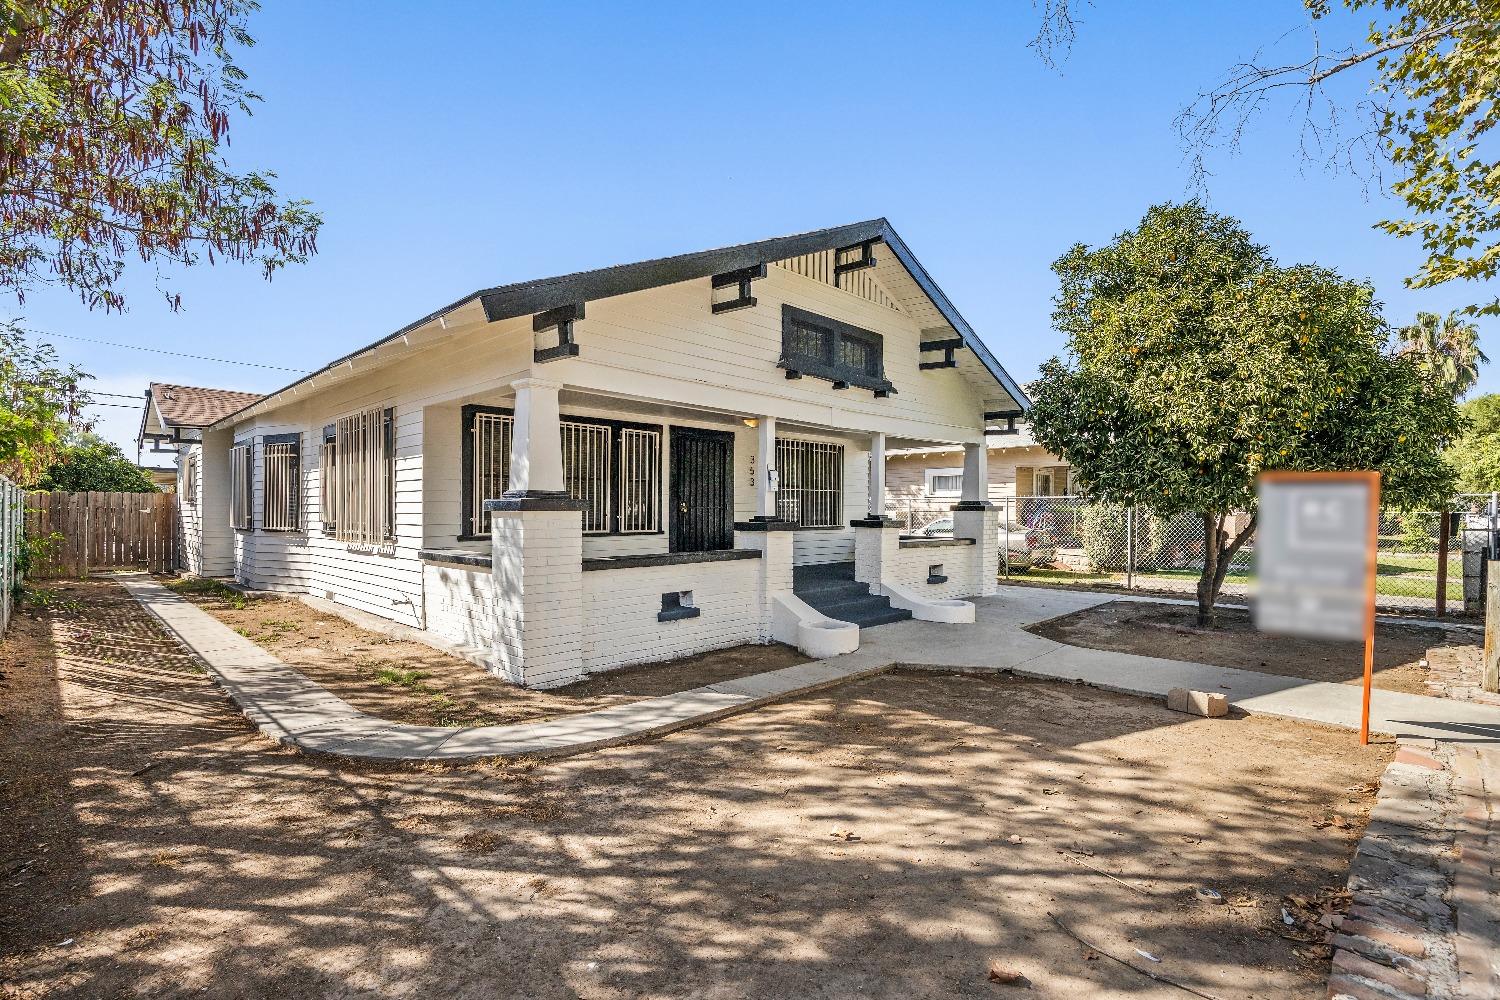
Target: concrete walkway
x,y
997,641
293,710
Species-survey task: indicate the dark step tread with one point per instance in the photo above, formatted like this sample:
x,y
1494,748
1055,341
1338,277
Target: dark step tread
x,y
831,590
867,604
893,615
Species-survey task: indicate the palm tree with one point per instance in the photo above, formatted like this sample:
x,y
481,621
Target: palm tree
x,y
1447,348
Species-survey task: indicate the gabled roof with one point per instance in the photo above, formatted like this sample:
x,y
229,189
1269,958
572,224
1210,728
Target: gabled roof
x,y
541,294
194,406
171,408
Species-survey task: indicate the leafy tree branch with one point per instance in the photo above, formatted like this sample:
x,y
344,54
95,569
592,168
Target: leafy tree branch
x,y
114,122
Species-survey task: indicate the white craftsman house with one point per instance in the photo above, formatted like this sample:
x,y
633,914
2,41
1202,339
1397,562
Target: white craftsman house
x,y
622,466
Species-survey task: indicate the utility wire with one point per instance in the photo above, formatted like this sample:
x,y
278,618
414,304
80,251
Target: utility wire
x,y
175,354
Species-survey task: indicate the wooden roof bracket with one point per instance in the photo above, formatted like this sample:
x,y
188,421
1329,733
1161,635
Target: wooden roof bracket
x,y
842,265
742,279
562,318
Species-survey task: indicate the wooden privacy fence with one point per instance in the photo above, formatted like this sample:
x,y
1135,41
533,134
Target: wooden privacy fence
x,y
81,532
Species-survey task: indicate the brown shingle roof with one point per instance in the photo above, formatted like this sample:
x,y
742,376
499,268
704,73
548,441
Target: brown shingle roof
x,y
191,406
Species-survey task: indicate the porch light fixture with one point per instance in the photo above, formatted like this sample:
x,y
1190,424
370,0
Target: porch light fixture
x,y
751,422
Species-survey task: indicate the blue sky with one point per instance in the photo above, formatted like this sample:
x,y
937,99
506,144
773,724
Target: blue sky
x,y
476,144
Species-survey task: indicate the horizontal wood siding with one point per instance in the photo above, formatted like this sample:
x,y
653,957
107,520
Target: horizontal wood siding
x,y
1010,471
383,579
665,344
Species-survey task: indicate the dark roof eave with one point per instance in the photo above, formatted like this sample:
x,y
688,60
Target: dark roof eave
x,y
530,297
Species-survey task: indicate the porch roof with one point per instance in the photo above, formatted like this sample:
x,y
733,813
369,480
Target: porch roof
x,y
927,302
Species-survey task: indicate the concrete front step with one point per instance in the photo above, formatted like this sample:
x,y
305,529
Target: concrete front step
x,y
832,590
864,611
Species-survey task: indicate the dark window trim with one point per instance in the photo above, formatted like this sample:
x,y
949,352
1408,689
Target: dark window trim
x,y
249,473
388,431
827,367
388,434
296,483
843,455
466,468
325,489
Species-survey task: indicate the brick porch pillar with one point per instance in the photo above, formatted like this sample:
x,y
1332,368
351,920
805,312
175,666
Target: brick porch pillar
x,y
975,517
536,539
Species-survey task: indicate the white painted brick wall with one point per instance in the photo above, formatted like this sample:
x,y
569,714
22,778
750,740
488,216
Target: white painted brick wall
x,y
775,569
909,565
984,527
620,608
540,610
874,549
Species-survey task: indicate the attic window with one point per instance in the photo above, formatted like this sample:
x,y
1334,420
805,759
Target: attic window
x,y
829,349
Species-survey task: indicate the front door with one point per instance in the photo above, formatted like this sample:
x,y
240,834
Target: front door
x,y
702,491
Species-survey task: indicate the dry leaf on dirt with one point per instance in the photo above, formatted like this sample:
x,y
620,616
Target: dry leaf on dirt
x,y
1006,976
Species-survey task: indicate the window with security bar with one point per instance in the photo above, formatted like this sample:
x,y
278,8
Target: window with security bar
x,y
361,468
281,472
614,468
811,483
327,480
240,486
586,472
190,480
487,451
640,481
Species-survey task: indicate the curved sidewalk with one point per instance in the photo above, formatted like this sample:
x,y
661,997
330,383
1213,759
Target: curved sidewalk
x,y
291,709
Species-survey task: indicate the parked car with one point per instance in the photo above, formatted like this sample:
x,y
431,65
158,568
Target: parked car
x,y
1021,544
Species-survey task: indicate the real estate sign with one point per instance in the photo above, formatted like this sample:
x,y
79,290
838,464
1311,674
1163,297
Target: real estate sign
x,y
1315,558
1312,550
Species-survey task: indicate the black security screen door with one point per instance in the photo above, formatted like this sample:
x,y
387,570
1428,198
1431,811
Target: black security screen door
x,y
702,505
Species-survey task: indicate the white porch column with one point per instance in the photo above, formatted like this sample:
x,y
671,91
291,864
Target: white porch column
x,y
876,505
536,438
765,470
975,518
536,547
976,484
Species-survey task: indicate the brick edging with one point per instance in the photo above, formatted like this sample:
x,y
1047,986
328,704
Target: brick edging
x,y
1397,941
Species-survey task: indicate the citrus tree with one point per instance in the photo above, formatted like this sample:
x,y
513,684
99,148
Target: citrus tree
x,y
1194,362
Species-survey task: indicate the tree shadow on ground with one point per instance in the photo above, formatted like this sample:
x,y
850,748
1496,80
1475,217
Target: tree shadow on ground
x,y
855,844
1172,632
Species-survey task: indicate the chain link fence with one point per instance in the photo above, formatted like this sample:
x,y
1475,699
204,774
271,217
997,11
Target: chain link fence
x,y
1072,541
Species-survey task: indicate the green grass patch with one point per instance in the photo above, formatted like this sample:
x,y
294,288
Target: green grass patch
x,y
390,676
274,629
202,586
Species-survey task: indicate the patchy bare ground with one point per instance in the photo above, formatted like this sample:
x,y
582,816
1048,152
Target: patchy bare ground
x,y
409,681
1171,631
853,844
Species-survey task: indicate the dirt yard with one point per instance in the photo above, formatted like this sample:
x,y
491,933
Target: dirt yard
x,y
410,681
1171,631
888,839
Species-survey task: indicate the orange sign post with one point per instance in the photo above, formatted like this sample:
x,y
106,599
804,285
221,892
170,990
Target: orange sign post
x,y
1316,560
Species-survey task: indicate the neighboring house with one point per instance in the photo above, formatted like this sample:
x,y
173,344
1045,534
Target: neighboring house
x,y
173,421
164,476
927,478
624,465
